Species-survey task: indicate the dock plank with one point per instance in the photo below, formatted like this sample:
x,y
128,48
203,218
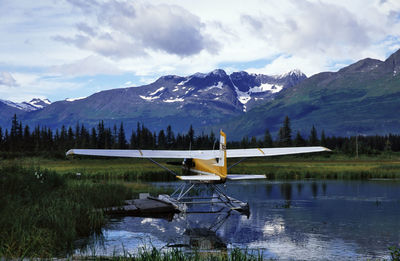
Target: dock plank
x,y
151,205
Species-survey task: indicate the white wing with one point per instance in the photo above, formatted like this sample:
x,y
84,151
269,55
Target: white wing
x,y
197,154
265,152
161,154
243,176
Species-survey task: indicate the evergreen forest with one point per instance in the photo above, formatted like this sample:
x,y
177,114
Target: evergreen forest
x,y
21,140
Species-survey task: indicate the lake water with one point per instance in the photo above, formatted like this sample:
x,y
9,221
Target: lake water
x,y
296,220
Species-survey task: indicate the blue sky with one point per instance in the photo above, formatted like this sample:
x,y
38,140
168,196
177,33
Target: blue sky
x,y
61,49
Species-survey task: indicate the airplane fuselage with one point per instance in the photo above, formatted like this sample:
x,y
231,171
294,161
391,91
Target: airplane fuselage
x,y
204,167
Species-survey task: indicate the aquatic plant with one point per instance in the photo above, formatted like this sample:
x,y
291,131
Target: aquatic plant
x,y
395,253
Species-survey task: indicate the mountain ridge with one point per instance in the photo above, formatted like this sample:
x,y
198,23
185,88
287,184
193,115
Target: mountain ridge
x,y
361,98
201,99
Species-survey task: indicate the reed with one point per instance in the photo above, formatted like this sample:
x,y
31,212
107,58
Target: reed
x,y
43,213
153,254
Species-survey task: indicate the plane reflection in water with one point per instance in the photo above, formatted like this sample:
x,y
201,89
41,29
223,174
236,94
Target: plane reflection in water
x,y
204,237
304,220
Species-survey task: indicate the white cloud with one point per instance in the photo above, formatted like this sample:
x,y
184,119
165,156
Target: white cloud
x,y
129,29
7,80
313,27
91,65
35,86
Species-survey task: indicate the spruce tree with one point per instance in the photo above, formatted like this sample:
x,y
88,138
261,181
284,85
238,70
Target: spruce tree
x,y
101,137
133,140
162,141
170,137
191,135
27,144
93,139
114,139
299,141
63,139
267,139
323,139
253,142
13,134
121,137
285,134
6,143
1,139
313,140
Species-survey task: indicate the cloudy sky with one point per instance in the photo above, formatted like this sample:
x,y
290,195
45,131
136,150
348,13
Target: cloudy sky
x,y
66,49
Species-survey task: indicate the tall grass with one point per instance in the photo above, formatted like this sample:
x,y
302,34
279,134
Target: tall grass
x,y
43,213
154,254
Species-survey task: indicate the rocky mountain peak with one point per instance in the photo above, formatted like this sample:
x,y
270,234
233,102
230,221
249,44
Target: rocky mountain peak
x,y
392,64
39,103
364,65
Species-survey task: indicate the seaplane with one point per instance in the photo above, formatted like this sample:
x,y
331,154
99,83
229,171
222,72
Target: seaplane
x,y
202,167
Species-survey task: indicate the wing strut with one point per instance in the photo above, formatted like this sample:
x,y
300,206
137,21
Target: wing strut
x,y
233,165
161,166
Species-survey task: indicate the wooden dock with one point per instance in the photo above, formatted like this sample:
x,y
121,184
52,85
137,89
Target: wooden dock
x,y
144,207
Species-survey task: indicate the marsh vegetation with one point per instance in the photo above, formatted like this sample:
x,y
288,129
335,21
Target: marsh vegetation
x,y
43,213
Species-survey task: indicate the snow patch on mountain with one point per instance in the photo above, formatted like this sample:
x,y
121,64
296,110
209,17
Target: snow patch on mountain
x,y
75,99
157,91
243,97
219,85
265,87
183,82
174,100
149,98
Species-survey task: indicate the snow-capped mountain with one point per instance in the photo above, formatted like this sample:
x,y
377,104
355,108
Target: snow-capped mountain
x,y
201,99
240,90
38,103
32,105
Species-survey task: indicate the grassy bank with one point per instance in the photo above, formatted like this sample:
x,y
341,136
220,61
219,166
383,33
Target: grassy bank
x,y
42,213
294,167
322,168
100,168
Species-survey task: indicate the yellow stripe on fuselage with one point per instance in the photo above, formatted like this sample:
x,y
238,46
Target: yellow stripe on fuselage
x,y
211,166
207,166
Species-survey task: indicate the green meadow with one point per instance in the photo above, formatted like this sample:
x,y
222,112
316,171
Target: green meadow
x,y
288,167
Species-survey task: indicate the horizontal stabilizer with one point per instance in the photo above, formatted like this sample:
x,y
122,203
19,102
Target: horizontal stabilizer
x,y
244,176
199,177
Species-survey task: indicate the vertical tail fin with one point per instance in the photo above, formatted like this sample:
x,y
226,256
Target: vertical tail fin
x,y
222,155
